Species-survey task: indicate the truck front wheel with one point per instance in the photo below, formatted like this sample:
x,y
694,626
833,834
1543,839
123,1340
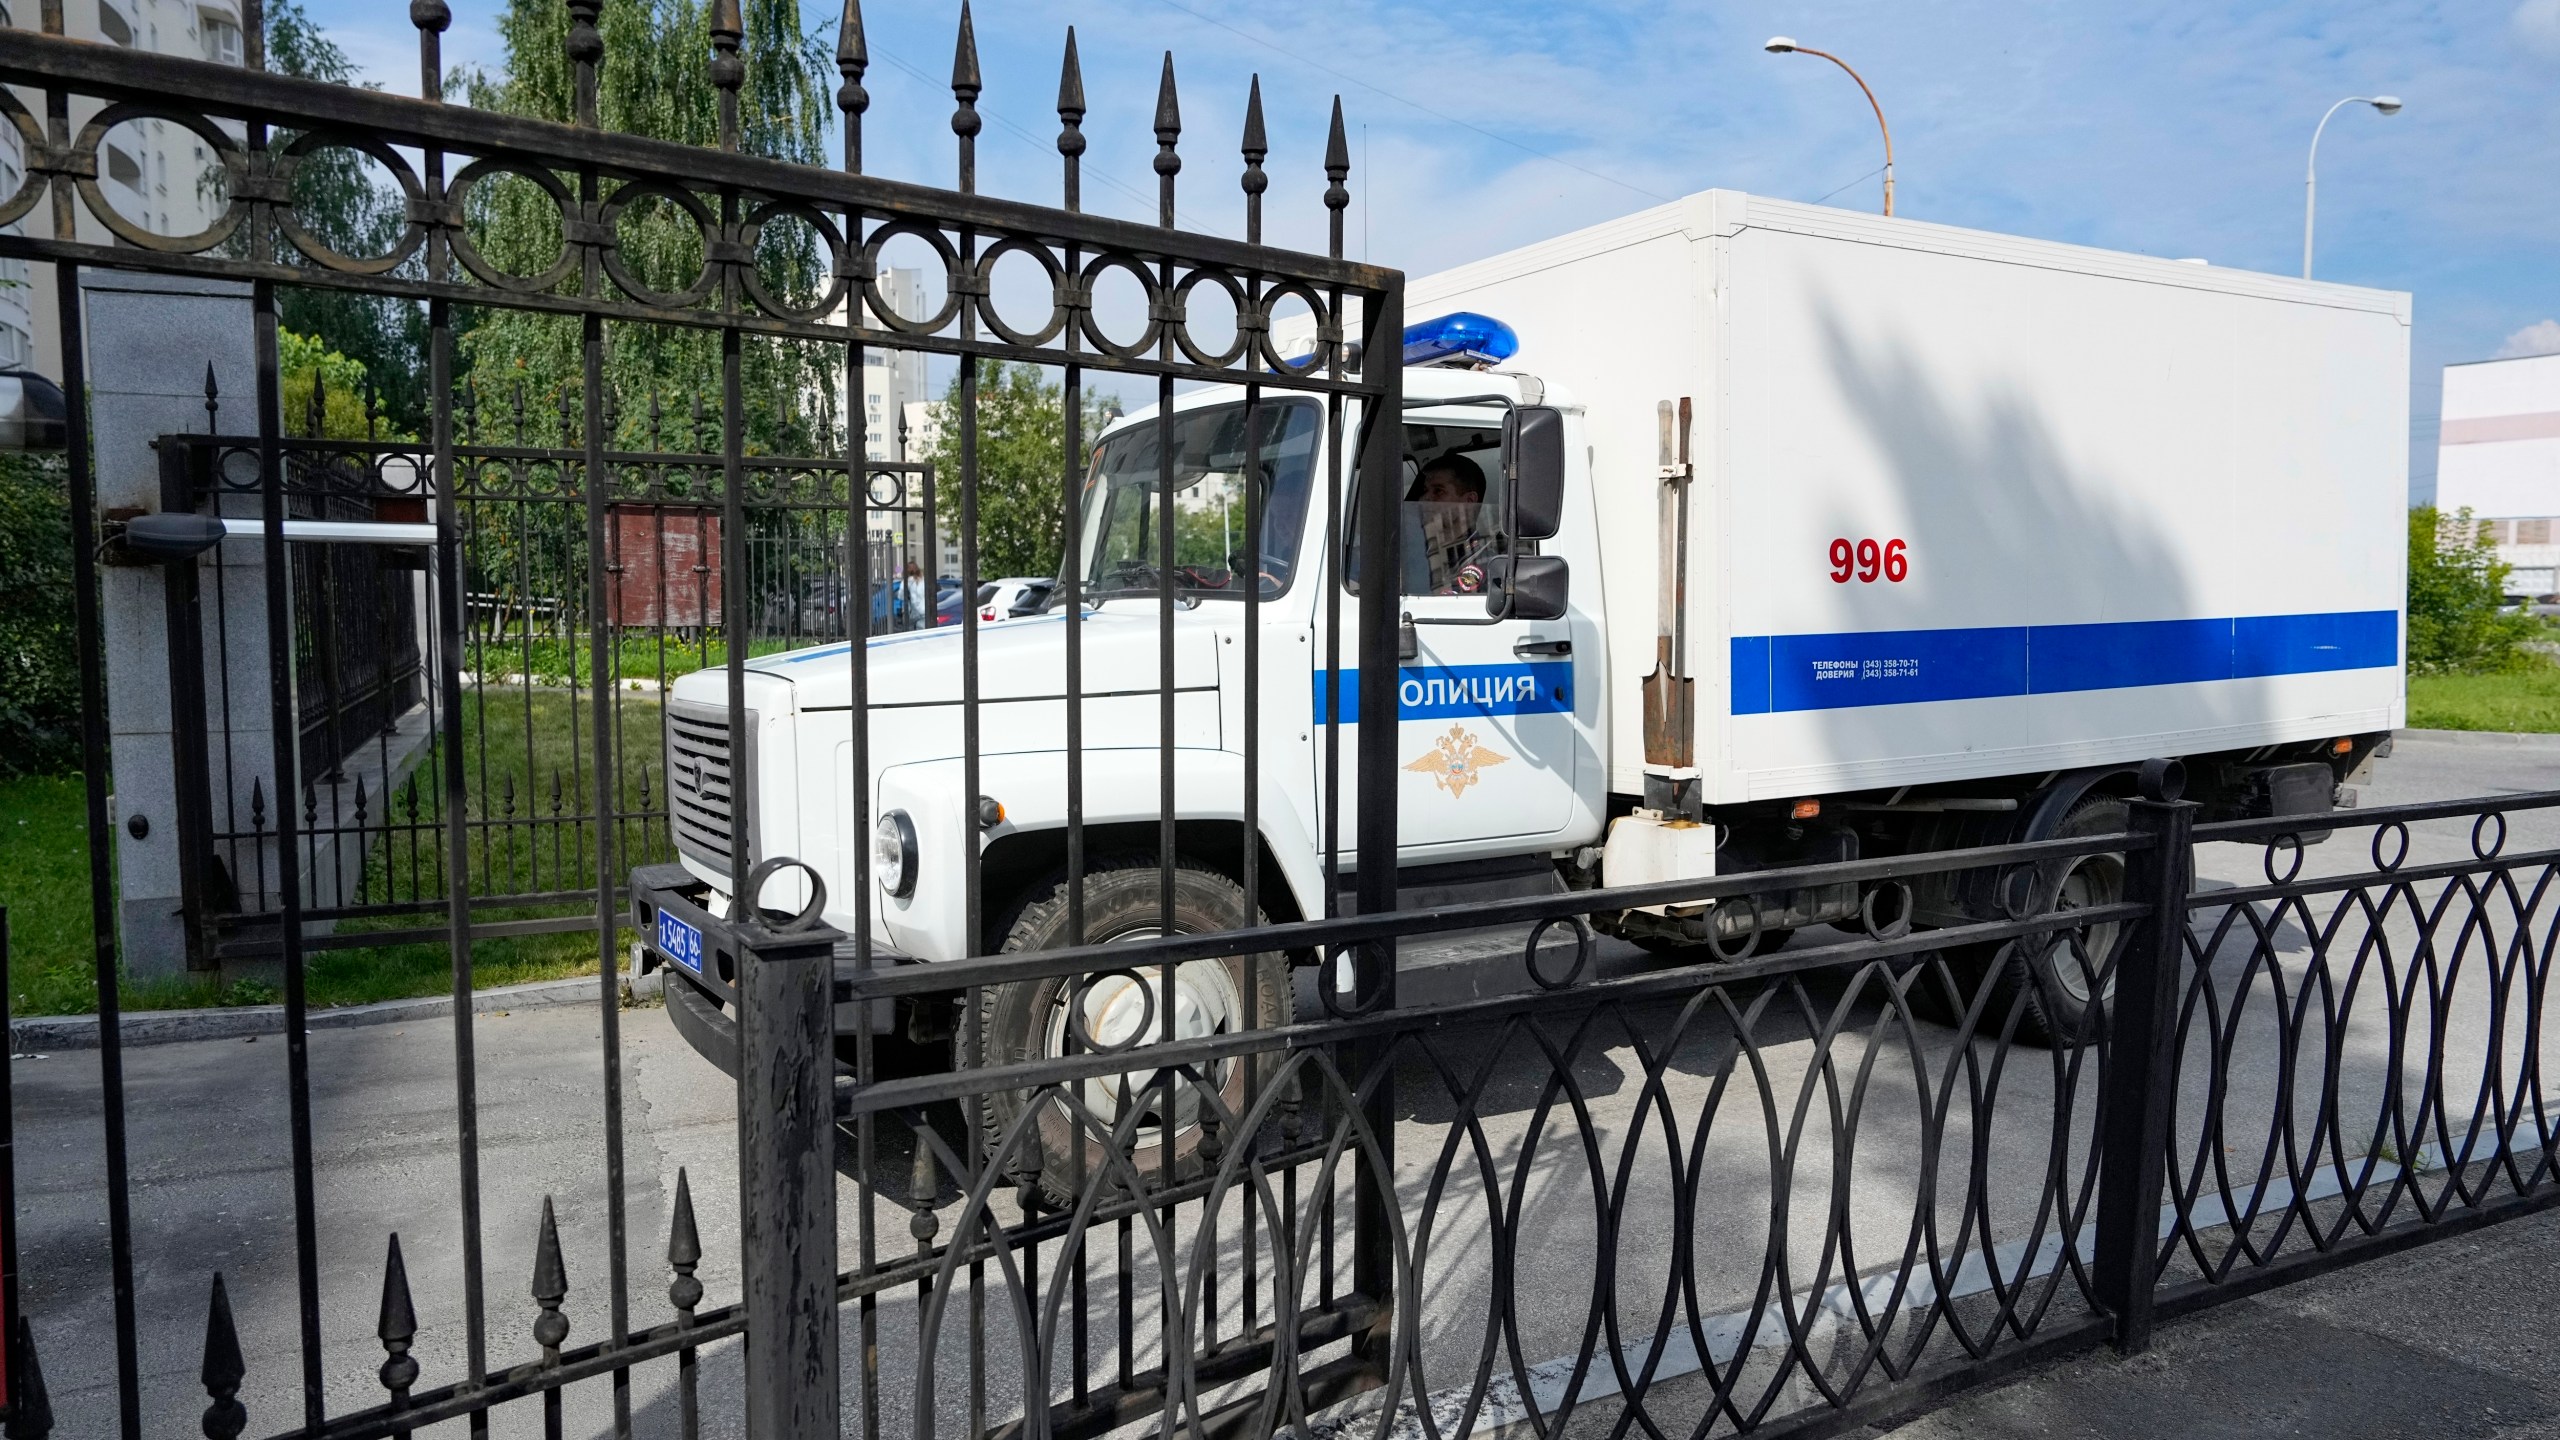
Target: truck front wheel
x,y
1031,1020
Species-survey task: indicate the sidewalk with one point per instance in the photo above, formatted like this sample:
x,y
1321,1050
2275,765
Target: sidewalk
x,y
2461,1337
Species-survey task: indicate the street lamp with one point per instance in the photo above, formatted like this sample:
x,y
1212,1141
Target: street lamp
x,y
1785,45
2388,105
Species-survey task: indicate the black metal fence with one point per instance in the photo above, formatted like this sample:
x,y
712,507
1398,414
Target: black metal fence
x,y
363,654
1790,1194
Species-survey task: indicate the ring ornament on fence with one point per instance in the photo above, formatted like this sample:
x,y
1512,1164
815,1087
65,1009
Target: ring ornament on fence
x,y
1750,937
1329,993
1583,941
766,870
2400,856
1082,993
2286,843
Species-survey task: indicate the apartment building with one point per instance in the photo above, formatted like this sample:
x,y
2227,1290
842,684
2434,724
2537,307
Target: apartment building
x,y
157,173
2499,456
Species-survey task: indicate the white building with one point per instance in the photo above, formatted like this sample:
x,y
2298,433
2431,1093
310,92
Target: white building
x,y
151,171
2499,457
891,379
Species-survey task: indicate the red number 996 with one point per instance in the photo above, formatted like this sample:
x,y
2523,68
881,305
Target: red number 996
x,y
1868,561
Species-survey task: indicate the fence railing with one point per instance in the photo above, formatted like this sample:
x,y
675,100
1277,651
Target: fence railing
x,y
1779,1196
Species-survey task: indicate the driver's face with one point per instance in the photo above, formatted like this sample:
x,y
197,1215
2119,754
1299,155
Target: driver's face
x,y
1439,487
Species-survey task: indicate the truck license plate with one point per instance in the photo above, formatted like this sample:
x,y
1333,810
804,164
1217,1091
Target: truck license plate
x,y
680,942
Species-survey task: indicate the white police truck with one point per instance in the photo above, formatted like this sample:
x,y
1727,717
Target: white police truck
x,y
1809,535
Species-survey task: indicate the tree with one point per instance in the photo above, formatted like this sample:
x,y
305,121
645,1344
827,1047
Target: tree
x,y
336,198
2458,623
305,365
655,81
39,650
1021,465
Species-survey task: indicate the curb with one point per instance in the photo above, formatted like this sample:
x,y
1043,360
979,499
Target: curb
x,y
169,1027
2498,739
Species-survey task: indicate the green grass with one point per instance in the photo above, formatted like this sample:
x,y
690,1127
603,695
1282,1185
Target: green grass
x,y
556,659
44,882
2524,700
44,868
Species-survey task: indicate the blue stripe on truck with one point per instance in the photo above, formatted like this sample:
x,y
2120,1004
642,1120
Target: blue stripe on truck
x,y
1777,673
1463,692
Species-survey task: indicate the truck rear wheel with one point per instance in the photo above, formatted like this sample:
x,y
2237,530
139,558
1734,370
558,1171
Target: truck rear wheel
x,y
2063,978
1030,1021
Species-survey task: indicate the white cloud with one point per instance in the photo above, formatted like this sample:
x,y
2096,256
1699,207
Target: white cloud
x,y
2542,337
2537,24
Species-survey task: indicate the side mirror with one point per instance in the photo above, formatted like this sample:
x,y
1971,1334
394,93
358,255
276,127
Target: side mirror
x,y
1533,458
1526,587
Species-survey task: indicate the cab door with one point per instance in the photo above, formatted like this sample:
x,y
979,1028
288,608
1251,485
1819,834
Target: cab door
x,y
1487,748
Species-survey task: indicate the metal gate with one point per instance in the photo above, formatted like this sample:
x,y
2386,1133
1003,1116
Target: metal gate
x,y
258,130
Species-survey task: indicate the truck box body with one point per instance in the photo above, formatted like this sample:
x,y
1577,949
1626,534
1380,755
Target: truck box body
x,y
2144,507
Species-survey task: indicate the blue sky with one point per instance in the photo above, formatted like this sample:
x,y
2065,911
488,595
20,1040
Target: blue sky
x,y
2170,129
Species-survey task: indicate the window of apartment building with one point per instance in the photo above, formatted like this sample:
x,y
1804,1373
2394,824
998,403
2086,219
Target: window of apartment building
x,y
113,24
221,37
122,167
17,347
2533,532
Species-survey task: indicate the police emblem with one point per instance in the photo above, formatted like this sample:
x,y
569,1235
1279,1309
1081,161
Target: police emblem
x,y
1456,761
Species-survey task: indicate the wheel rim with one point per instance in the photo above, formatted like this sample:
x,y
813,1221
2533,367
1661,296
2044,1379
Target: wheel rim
x,y
1126,1010
2091,882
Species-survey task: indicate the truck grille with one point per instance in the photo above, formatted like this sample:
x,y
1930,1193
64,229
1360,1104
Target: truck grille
x,y
702,779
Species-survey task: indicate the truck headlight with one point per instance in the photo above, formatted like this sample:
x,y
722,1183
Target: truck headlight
x,y
893,854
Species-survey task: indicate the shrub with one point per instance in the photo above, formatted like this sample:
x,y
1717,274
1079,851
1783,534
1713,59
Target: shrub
x,y
2457,593
39,657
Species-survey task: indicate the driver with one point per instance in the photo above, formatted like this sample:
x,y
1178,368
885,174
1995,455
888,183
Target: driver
x,y
1449,493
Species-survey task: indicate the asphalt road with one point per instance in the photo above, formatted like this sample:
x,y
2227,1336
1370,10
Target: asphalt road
x,y
211,1171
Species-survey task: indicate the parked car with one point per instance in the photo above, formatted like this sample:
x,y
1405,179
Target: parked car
x,y
1033,599
1005,599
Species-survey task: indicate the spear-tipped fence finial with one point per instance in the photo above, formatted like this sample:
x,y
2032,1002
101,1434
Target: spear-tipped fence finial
x,y
397,1328
728,72
684,1248
965,86
1168,134
853,57
223,1369
586,52
1257,148
212,402
1337,169
550,1287
1071,121
30,1408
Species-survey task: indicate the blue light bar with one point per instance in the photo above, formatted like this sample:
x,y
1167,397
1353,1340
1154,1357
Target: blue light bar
x,y
1461,339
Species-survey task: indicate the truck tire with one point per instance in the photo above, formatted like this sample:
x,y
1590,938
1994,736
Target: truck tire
x,y
1028,1020
2043,974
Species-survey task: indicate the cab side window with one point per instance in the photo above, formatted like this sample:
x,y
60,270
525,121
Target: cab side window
x,y
1446,525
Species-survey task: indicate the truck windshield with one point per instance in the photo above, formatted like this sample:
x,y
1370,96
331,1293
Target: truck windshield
x,y
1213,555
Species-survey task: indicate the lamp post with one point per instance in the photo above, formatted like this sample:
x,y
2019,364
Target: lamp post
x,y
1784,45
2388,105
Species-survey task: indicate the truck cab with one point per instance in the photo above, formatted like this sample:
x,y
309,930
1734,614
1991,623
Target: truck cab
x,y
1501,731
